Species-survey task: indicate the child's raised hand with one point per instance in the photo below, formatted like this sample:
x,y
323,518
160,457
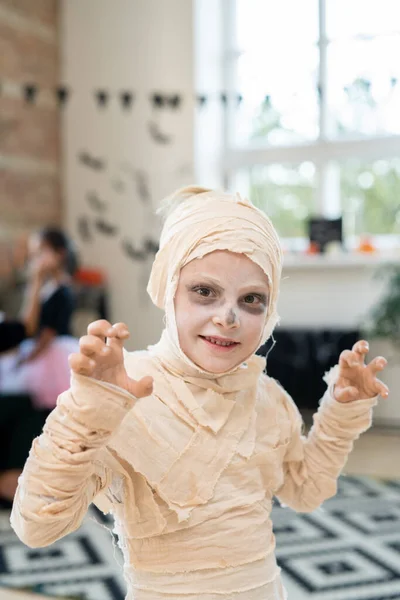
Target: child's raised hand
x,y
356,380
101,357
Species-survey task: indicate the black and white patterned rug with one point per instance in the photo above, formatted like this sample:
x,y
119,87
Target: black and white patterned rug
x,y
347,550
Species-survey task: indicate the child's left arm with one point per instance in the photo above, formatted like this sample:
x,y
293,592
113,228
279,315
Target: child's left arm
x,y
313,464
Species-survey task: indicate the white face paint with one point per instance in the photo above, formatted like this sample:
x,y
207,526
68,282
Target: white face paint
x,y
220,309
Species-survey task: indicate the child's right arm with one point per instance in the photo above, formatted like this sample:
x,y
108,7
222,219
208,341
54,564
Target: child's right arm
x,y
63,473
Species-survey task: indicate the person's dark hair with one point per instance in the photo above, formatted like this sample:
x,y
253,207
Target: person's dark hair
x,y
59,241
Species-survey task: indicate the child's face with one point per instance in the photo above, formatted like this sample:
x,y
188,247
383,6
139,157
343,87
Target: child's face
x,y
42,253
223,296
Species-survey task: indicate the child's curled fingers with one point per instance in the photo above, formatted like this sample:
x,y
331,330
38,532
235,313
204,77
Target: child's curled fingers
x,y
92,346
355,356
102,329
120,332
357,379
360,349
81,364
377,364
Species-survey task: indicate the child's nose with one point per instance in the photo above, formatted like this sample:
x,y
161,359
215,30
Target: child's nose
x,y
228,319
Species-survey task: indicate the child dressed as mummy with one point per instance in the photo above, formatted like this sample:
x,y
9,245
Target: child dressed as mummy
x,y
186,443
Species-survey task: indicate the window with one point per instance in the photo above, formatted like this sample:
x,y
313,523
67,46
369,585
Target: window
x,y
314,127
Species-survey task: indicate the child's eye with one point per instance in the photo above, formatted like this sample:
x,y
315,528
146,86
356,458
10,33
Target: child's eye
x,y
254,299
205,292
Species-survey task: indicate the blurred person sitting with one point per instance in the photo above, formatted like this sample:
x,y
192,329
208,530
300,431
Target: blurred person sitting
x,y
15,331
39,367
35,374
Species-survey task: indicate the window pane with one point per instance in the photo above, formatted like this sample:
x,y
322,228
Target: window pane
x,y
364,86
259,21
284,192
276,72
371,196
347,18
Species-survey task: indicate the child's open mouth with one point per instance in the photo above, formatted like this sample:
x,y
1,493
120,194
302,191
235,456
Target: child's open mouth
x,y
219,344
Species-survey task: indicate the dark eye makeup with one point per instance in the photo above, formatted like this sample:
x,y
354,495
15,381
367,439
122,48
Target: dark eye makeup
x,y
251,300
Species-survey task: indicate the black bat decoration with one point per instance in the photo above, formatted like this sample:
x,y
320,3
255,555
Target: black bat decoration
x,y
141,179
106,228
97,164
142,185
95,202
132,252
149,247
157,135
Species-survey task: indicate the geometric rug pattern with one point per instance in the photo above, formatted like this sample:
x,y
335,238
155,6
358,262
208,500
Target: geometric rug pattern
x,y
347,550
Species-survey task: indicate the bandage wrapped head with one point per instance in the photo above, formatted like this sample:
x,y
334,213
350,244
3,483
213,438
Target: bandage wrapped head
x,y
201,221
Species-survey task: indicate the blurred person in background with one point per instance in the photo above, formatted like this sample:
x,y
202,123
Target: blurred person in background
x,y
15,330
32,377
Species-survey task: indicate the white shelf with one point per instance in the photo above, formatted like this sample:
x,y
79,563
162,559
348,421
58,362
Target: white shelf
x,y
338,261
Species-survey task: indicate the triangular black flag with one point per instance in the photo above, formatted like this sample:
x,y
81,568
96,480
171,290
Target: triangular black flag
x,y
239,99
126,99
62,93
30,91
224,99
202,100
175,101
101,97
158,100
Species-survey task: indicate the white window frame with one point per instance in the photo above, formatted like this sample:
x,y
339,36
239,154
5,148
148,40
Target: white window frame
x,y
323,151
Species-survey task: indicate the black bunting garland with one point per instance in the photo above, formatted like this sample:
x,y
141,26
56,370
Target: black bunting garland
x,y
62,94
126,100
160,100
30,93
102,98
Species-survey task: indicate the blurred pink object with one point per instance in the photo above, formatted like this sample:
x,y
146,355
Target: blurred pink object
x,y
44,378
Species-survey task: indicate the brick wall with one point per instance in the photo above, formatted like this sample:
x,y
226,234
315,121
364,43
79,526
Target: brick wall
x,y
29,133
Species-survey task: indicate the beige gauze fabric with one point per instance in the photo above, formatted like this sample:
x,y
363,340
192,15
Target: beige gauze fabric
x,y
189,472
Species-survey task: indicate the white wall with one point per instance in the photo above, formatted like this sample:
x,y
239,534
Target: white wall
x,y
147,46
